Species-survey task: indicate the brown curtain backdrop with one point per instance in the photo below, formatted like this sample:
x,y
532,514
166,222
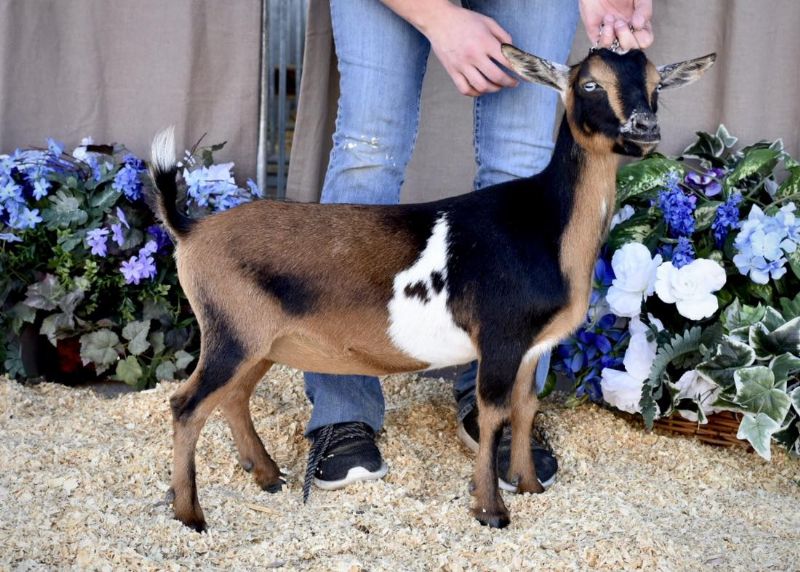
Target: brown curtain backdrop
x,y
120,70
753,90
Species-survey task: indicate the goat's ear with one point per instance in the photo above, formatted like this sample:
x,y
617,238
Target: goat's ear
x,y
684,73
536,69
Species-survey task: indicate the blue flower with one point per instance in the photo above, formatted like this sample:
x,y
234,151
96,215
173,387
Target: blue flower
x,y
128,178
707,182
26,219
97,240
683,253
9,237
56,148
254,188
678,211
141,266
214,187
726,219
116,234
40,188
762,243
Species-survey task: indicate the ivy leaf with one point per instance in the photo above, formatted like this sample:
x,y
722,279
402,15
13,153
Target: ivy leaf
x,y
772,319
791,186
129,370
790,308
725,137
737,315
757,392
707,146
45,294
64,212
136,332
166,370
642,176
55,324
784,366
729,356
183,359
157,341
758,429
99,348
789,435
794,261
795,397
105,199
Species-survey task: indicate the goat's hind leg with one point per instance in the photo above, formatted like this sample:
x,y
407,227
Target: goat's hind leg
x,y
252,455
191,406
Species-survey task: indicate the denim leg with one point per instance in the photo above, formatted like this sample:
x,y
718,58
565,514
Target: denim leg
x,y
382,62
514,127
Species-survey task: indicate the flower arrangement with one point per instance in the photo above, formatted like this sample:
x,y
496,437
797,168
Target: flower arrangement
x,y
696,302
84,264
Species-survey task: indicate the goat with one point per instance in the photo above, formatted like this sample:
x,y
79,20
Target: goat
x,y
499,275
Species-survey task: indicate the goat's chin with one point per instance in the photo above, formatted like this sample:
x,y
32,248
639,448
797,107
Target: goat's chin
x,y
634,148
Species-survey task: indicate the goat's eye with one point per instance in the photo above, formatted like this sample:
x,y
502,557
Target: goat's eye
x,y
590,86
659,87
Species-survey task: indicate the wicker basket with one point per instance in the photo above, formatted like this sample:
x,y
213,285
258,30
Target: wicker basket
x,y
720,430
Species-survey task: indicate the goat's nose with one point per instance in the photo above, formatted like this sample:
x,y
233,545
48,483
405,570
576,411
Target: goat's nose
x,y
645,123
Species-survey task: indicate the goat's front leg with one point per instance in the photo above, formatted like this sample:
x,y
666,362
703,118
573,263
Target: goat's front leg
x,y
524,405
496,375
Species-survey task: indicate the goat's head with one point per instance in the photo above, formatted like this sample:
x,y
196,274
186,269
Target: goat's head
x,y
610,99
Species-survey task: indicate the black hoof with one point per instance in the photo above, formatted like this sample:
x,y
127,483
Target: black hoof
x,y
494,521
273,488
196,525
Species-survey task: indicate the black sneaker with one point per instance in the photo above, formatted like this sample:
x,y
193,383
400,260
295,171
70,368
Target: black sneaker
x,y
543,458
342,454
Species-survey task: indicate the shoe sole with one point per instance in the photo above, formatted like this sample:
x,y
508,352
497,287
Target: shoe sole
x,y
354,475
473,446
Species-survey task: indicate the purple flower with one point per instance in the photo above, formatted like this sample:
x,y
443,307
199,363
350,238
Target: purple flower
x,y
678,211
160,236
97,241
140,267
116,234
9,237
726,219
707,182
121,217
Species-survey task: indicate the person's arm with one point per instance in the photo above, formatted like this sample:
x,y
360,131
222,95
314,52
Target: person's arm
x,y
627,21
464,41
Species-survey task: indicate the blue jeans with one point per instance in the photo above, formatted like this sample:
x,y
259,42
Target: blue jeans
x,y
382,61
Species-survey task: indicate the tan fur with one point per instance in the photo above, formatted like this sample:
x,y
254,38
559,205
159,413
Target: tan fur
x,y
488,504
524,405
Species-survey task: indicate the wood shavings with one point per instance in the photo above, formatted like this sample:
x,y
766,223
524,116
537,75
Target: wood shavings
x,y
84,479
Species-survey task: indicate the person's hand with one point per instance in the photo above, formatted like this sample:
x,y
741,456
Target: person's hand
x,y
467,43
627,21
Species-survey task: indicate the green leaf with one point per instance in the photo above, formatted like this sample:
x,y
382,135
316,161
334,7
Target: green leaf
x,y
707,146
757,392
789,435
166,370
791,186
784,366
795,397
737,315
56,324
64,211
786,338
105,199
772,319
704,215
794,261
99,348
758,429
45,294
549,386
129,370
136,332
183,359
725,137
157,341
643,176
729,356
755,161
790,308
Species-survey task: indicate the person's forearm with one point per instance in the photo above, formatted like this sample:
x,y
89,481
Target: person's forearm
x,y
422,14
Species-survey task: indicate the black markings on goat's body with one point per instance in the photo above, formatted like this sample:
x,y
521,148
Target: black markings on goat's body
x,y
417,290
222,353
295,294
437,282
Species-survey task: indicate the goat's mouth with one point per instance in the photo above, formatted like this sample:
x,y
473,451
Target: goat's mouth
x,y
652,138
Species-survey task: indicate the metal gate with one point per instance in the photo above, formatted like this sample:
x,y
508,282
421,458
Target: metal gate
x,y
283,25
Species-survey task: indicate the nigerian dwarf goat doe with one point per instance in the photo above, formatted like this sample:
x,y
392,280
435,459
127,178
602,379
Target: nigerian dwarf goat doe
x,y
499,275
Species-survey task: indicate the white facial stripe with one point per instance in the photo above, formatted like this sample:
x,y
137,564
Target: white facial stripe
x,y
420,324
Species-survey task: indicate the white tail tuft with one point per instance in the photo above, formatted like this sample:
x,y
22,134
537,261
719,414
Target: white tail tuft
x,y
163,150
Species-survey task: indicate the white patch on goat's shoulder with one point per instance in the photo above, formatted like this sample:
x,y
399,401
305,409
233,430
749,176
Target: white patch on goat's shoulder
x,y
420,323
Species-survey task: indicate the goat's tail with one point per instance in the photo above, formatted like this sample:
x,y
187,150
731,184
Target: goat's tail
x,y
164,171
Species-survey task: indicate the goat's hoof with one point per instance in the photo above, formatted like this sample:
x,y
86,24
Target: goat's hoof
x,y
246,464
198,524
273,488
170,496
535,488
493,520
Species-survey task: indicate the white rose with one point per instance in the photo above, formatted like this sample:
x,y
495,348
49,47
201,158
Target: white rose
x,y
690,287
693,386
623,389
635,274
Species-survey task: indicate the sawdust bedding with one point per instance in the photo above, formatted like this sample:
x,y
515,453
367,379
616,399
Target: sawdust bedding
x,y
84,476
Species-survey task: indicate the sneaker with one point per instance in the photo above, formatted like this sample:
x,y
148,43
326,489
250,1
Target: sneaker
x,y
543,458
342,454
